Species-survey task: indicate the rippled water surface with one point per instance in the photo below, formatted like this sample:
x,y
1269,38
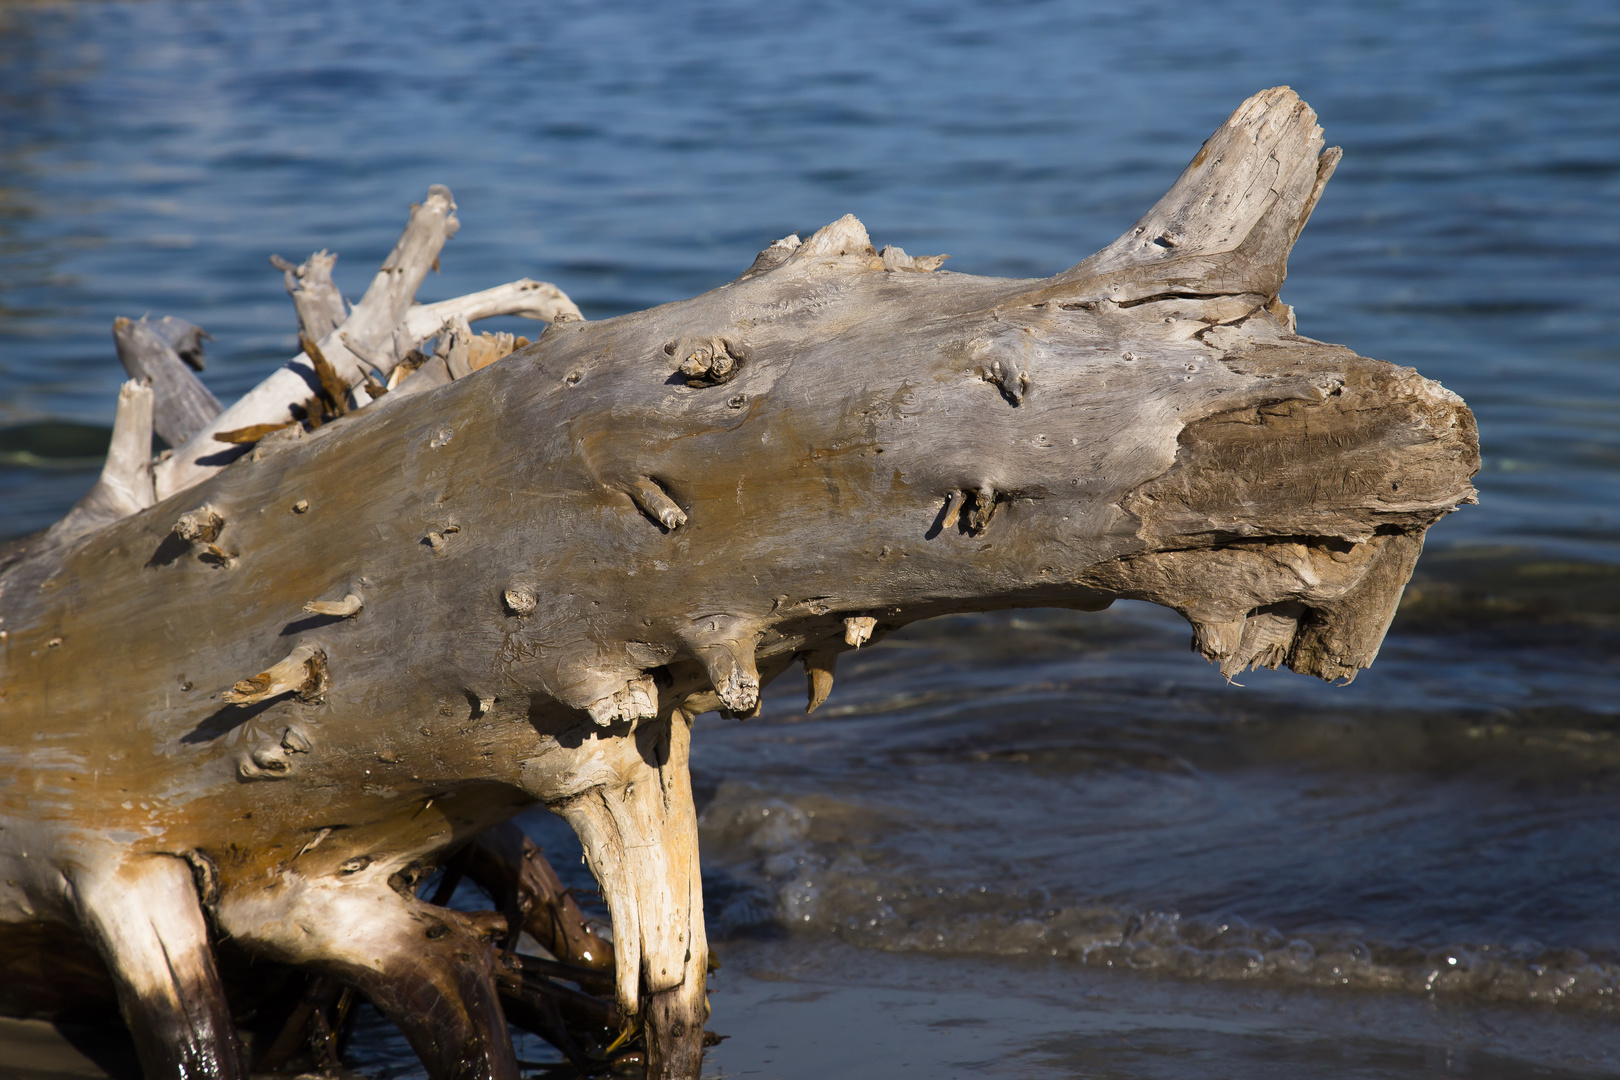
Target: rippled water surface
x,y
1032,844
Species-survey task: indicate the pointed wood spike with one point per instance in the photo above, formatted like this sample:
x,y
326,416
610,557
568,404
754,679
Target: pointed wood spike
x,y
250,434
127,474
818,672
334,391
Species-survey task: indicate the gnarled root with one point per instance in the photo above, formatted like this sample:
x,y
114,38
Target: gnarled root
x,y
145,920
639,828
513,870
428,969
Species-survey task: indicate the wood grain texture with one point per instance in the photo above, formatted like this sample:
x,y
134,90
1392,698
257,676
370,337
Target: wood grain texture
x,y
565,555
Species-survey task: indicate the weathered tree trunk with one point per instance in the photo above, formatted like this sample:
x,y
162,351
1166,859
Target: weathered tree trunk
x,y
308,677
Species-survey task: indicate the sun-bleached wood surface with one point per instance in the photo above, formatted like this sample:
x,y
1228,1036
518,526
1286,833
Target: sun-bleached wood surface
x,y
262,705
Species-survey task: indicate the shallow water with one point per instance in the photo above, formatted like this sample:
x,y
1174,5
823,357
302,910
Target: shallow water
x,y
1033,844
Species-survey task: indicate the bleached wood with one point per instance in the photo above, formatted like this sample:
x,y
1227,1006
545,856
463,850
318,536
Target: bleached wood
x,y
144,918
525,298
539,300
125,484
567,554
181,404
370,326
314,294
185,338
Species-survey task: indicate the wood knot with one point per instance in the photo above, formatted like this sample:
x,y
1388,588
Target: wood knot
x,y
520,600
708,361
202,525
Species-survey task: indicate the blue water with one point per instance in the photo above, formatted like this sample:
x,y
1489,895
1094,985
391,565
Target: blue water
x,y
1460,796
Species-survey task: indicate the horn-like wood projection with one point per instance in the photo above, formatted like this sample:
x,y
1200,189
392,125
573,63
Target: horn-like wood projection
x,y
366,631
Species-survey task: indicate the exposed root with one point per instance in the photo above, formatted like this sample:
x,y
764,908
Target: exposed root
x,y
640,838
144,919
429,970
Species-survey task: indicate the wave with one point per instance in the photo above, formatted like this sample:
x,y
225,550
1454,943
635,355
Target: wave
x,y
766,874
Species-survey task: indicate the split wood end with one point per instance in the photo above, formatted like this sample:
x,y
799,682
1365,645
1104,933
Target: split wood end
x,y
858,630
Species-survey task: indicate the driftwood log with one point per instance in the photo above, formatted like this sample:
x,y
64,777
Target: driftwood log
x,y
252,698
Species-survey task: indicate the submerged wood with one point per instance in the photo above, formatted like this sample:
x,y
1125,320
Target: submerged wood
x,y
560,559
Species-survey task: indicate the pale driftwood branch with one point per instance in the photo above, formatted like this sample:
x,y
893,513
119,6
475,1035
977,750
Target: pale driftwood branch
x,y
527,299
182,405
125,484
455,348
568,554
371,324
185,338
314,294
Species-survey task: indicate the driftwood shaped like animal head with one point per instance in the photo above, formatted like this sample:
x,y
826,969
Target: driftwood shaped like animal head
x,y
836,440
523,584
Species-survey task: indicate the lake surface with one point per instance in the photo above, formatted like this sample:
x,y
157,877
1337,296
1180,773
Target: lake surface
x,y
1036,844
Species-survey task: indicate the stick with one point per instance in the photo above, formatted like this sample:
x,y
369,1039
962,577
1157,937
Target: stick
x,y
125,485
371,324
314,294
182,405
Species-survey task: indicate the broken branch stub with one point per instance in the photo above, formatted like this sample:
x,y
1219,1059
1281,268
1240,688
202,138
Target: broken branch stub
x,y
380,332
371,324
569,553
125,484
181,404
314,294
